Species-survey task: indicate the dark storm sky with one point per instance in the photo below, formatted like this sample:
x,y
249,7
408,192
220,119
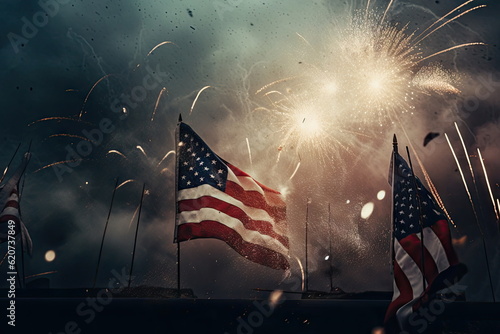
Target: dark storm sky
x,y
235,47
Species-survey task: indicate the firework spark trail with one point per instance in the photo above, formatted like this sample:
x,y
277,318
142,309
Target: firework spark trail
x,y
488,183
60,162
117,152
301,272
196,98
70,136
274,83
158,45
432,187
295,171
463,177
139,147
450,49
42,274
60,119
5,256
133,217
90,92
249,153
448,22
466,152
166,155
163,90
386,10
442,18
124,183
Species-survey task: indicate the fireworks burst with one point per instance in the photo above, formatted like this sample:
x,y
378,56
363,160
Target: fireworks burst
x,y
370,72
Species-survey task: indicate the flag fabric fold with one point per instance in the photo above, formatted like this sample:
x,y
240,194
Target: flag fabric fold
x,y
418,254
9,204
218,200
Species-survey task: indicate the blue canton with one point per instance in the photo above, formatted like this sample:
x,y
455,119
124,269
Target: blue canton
x,y
406,204
198,164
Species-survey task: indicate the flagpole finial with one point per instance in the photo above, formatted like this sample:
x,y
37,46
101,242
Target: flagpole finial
x,y
395,143
180,118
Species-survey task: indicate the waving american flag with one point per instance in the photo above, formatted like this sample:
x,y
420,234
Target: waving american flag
x,y
423,255
9,206
217,200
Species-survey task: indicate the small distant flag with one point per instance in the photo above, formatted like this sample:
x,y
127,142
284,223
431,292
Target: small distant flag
x,y
9,204
217,200
414,205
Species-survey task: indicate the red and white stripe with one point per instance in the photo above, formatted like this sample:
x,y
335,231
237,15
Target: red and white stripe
x,y
408,281
248,216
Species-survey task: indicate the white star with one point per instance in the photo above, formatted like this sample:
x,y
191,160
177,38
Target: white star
x,y
214,162
402,205
410,215
403,232
207,155
188,183
186,135
424,203
201,163
201,179
185,163
193,154
189,149
411,206
219,184
183,177
220,171
202,149
411,225
195,173
402,221
212,176
401,212
206,168
198,159
191,168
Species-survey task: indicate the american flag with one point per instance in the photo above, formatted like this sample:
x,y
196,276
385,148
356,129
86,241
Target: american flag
x,y
217,200
9,204
413,207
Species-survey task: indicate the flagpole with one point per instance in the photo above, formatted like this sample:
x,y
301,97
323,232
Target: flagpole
x,y
176,220
330,251
20,191
417,194
307,225
394,153
8,165
136,232
104,234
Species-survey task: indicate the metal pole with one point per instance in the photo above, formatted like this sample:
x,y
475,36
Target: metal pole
x,y
136,232
307,224
104,234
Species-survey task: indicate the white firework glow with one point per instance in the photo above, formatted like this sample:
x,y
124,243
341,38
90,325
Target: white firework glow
x,y
368,74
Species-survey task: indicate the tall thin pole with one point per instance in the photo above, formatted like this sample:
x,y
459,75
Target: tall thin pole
x,y
104,234
20,191
392,171
136,232
176,220
307,226
330,251
10,162
417,194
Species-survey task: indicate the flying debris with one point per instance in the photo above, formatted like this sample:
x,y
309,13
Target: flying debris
x,y
430,136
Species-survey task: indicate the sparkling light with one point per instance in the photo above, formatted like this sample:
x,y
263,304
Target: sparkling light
x,y
50,256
